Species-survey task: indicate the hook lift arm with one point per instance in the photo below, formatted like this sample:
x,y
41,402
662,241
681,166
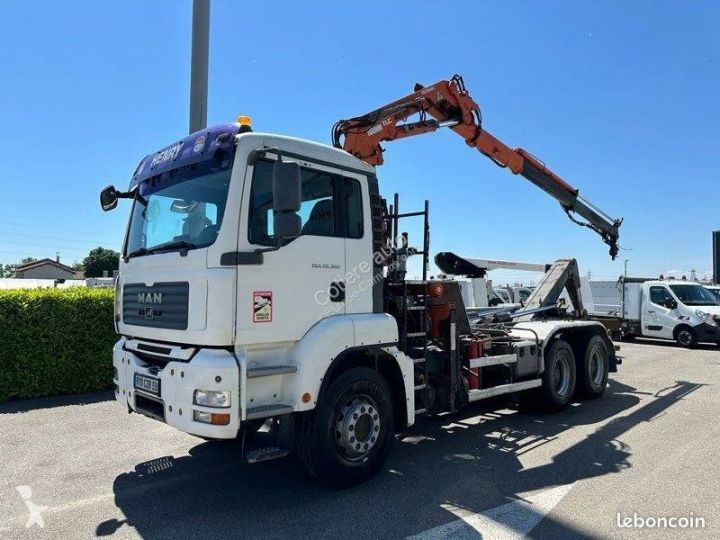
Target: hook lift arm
x,y
448,104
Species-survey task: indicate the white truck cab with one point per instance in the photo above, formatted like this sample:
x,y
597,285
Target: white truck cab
x,y
514,294
678,310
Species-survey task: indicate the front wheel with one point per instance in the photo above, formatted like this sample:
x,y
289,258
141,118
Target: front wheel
x,y
348,437
686,337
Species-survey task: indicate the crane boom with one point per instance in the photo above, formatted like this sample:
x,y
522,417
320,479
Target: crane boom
x,y
448,104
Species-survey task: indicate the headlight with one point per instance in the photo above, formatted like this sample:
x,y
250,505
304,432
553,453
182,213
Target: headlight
x,y
212,398
705,317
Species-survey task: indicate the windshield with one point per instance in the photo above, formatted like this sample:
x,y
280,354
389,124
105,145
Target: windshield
x,y
716,293
179,209
694,295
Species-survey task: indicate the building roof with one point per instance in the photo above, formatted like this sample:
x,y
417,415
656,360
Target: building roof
x,y
43,262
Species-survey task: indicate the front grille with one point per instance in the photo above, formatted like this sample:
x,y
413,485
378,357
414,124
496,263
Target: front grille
x,y
154,360
163,305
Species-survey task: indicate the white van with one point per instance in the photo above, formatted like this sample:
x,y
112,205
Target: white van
x,y
683,311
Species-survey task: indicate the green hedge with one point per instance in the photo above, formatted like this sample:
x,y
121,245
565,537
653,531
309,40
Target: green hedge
x,y
55,341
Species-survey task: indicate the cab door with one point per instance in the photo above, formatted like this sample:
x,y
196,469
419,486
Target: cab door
x,y
659,321
359,281
295,286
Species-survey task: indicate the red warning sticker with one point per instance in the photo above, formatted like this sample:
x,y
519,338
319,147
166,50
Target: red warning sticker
x,y
262,306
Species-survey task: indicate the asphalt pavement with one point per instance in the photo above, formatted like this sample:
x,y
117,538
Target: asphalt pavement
x,y
82,467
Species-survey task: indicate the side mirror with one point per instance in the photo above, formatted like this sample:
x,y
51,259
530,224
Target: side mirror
x,y
287,182
108,198
287,225
671,303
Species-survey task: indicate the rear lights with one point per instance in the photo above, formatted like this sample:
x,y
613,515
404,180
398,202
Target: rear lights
x,y
211,418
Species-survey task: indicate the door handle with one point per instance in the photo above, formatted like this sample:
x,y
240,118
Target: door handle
x,y
651,311
337,291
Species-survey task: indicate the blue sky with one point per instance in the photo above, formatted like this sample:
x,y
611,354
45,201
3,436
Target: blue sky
x,y
619,98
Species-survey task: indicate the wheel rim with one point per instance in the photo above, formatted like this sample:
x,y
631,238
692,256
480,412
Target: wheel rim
x,y
685,337
357,428
561,375
597,366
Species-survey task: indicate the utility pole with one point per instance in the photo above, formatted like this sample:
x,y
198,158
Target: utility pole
x,y
199,64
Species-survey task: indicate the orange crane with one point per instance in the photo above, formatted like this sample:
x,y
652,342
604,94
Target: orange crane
x,y
448,104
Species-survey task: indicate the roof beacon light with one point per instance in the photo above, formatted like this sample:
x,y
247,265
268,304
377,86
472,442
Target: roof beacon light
x,y
245,123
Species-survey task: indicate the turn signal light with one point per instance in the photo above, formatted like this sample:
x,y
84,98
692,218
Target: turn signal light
x,y
211,418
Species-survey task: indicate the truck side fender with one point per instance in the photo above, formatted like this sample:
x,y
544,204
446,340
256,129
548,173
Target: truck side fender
x,y
331,342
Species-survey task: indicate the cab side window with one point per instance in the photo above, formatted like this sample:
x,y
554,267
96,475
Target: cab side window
x,y
658,295
331,205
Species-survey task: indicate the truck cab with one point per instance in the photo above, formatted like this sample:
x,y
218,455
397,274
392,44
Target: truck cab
x,y
210,300
515,294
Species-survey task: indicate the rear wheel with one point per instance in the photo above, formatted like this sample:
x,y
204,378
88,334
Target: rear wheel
x,y
685,337
348,437
594,369
558,379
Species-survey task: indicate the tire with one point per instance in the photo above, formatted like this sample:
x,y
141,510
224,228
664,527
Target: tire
x,y
558,379
686,337
592,377
358,401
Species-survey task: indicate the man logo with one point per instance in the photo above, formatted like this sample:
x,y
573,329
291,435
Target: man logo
x,y
150,298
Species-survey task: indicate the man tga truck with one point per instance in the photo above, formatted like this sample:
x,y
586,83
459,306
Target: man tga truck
x,y
257,287
667,309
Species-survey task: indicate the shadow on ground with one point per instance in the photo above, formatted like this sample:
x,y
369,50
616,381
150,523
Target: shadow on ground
x,y
465,461
673,345
55,401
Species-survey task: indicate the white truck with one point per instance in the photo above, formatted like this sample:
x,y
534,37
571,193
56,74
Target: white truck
x,y
479,292
667,309
257,286
516,294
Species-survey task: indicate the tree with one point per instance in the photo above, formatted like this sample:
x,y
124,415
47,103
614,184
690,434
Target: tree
x,y
101,260
27,260
6,270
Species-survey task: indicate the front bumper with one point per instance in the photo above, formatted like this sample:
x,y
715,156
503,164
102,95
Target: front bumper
x,y
708,332
209,369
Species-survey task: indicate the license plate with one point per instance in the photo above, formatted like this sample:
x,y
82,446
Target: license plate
x,y
151,385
